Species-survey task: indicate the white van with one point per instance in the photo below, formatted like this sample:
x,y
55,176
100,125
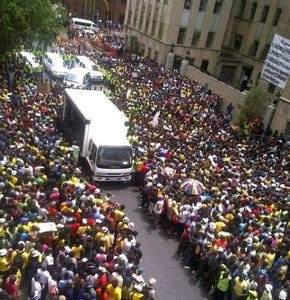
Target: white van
x,y
96,76
83,24
54,64
77,78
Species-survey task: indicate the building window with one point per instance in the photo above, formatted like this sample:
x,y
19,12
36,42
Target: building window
x,y
217,6
147,26
160,32
187,4
265,14
254,48
181,36
202,5
210,38
153,27
271,88
242,7
191,62
253,11
129,17
277,16
238,42
204,65
195,38
265,52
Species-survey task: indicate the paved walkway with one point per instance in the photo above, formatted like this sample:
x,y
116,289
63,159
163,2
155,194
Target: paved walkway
x,y
159,259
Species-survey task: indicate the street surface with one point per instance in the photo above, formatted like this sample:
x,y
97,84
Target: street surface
x,y
159,259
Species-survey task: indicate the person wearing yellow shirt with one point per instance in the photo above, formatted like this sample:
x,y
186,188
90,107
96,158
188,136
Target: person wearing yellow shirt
x,y
102,238
4,263
119,213
114,291
240,286
84,228
20,257
136,294
77,250
270,257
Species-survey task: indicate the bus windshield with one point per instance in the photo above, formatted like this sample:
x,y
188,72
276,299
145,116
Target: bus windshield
x,y
114,157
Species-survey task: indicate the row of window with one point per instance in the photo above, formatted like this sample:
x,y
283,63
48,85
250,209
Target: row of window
x,y
264,15
203,5
253,49
195,38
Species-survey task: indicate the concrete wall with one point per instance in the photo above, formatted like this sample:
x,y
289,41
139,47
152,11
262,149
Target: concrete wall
x,y
229,94
282,115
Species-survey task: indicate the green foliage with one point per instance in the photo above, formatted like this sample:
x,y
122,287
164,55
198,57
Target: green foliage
x,y
29,23
252,106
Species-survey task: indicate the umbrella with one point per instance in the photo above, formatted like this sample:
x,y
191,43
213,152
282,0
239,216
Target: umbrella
x,y
192,187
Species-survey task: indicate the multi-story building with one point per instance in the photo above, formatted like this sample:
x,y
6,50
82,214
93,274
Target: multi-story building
x,y
228,39
94,9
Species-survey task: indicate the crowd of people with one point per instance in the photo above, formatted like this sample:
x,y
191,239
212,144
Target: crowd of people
x,y
234,235
60,236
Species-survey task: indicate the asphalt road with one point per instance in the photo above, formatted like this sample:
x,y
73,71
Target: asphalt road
x,y
159,259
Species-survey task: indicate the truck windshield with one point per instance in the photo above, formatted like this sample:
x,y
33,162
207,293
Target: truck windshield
x,y
114,157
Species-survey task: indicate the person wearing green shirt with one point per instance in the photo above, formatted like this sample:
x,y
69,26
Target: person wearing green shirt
x,y
223,284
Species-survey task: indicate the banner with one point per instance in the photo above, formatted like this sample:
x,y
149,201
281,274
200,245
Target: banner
x,y
277,63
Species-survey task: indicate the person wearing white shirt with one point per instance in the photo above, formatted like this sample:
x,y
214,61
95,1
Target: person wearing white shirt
x,y
36,288
157,210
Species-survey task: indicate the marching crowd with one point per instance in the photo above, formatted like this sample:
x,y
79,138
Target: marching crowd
x,y
234,235
60,236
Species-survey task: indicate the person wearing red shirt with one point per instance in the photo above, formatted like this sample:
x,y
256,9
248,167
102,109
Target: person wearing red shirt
x,y
11,287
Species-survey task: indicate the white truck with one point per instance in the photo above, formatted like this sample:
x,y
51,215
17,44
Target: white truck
x,y
99,129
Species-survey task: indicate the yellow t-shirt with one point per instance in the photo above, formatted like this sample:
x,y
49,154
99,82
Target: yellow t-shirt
x,y
77,251
114,293
136,296
4,264
240,286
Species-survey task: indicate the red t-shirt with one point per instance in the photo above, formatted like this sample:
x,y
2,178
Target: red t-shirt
x,y
11,288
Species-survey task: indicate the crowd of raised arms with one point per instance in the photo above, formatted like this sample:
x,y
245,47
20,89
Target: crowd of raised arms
x,y
234,235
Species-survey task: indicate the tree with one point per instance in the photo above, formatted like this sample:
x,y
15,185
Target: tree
x,y
252,106
29,22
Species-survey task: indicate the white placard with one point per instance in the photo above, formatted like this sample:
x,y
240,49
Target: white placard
x,y
276,67
46,227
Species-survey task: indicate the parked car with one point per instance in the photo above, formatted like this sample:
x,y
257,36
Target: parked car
x,y
54,64
78,78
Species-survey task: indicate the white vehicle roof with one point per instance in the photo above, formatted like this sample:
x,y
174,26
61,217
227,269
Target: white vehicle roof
x,y
78,71
30,57
82,21
86,61
55,57
107,122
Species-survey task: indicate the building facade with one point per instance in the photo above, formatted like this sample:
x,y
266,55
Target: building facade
x,y
228,39
97,9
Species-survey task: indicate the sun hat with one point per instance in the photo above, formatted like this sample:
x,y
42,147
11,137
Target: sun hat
x,y
3,252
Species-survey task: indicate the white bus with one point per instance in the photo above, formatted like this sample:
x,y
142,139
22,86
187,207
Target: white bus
x,y
83,24
100,130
